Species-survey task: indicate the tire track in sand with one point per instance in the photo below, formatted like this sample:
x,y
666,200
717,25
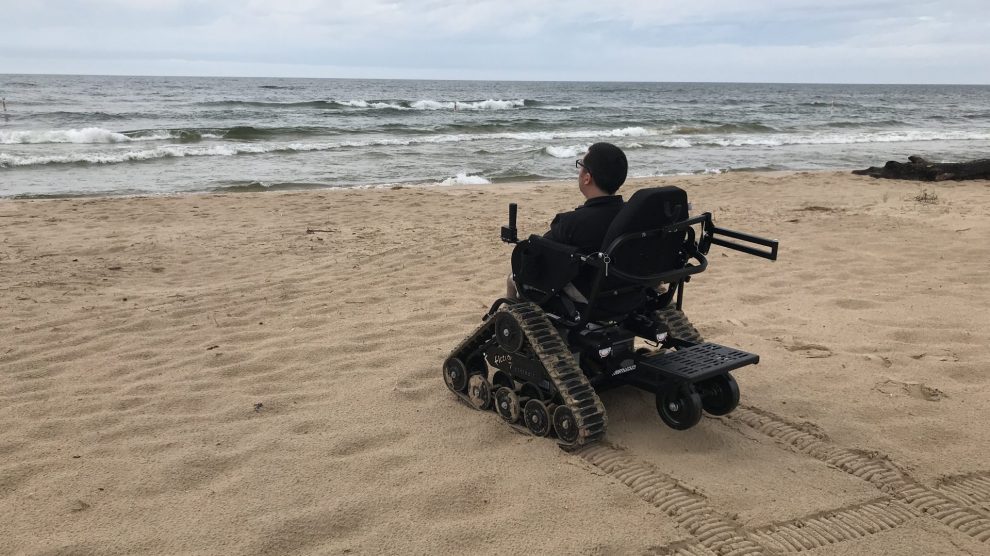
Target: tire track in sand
x,y
715,532
821,529
971,489
881,473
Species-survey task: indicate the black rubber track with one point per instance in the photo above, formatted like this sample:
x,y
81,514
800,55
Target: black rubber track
x,y
544,342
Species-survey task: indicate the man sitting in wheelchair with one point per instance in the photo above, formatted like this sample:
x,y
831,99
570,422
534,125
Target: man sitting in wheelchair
x,y
605,274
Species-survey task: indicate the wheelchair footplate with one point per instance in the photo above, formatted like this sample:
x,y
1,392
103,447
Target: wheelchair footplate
x,y
697,362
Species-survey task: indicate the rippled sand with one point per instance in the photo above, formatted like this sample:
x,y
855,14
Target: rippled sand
x,y
260,373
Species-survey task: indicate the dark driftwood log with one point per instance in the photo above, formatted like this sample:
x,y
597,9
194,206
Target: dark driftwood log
x,y
921,169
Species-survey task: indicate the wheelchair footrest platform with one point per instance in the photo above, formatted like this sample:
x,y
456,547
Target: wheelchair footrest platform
x,y
698,362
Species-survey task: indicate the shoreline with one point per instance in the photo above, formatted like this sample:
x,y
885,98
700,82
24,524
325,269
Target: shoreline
x,y
236,190
260,373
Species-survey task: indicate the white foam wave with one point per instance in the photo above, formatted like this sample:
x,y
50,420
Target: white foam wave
x,y
676,144
846,139
490,104
88,135
428,104
464,179
566,152
372,105
553,107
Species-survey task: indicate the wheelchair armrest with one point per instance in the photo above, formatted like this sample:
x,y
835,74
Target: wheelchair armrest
x,y
681,232
668,277
544,266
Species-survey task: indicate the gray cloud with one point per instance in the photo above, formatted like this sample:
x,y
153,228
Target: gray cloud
x,y
704,40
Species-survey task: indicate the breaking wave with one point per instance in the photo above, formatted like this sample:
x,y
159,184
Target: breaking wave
x,y
566,152
98,135
391,104
724,128
464,179
85,135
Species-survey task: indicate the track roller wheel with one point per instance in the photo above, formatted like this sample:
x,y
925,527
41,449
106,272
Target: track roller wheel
x,y
679,407
479,392
455,374
508,333
537,418
719,395
564,424
507,404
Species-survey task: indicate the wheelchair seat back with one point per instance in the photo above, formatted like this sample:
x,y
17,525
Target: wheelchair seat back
x,y
542,268
635,249
648,210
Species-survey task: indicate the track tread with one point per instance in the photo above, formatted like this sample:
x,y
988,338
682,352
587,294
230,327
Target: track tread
x,y
544,341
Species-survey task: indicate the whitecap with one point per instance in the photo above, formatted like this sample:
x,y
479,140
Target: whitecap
x,y
464,179
566,152
85,135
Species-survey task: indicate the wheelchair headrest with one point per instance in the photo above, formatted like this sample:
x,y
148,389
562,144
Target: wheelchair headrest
x,y
648,209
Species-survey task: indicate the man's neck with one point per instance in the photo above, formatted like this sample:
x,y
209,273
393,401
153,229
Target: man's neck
x,y
593,193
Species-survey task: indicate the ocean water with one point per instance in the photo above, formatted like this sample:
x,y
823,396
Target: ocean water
x,y
99,135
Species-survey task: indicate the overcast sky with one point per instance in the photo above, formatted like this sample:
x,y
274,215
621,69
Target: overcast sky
x,y
834,41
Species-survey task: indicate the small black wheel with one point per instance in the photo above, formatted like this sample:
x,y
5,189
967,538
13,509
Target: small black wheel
x,y
507,404
537,418
679,407
455,375
508,333
480,392
719,395
565,425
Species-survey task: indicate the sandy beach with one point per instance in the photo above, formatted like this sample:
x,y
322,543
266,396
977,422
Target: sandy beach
x,y
259,373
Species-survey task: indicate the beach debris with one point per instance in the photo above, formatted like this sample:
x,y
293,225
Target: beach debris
x,y
926,197
922,170
211,348
78,506
258,407
314,231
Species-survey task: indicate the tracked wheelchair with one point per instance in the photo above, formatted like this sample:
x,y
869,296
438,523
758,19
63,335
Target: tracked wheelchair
x,y
539,361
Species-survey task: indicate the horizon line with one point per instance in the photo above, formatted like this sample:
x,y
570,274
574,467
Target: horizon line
x,y
498,80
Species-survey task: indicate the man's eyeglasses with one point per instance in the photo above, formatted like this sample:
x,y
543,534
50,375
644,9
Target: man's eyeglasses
x,y
580,164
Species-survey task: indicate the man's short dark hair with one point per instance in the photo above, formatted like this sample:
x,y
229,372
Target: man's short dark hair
x,y
608,166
